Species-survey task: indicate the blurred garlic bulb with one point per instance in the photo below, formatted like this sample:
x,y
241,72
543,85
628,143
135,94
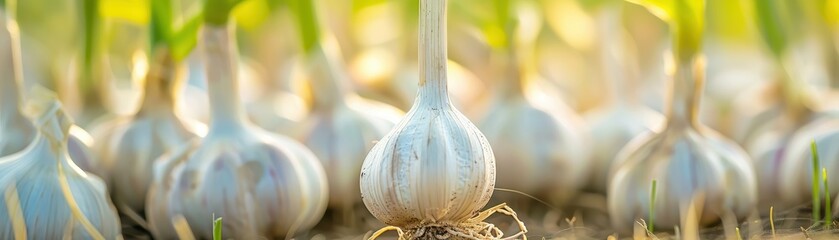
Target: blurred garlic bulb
x,y
131,144
341,127
772,112
16,131
540,144
279,109
46,195
435,167
688,160
264,185
623,117
796,168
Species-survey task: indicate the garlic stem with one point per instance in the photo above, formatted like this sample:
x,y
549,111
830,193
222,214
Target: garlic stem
x,y
10,97
612,54
220,52
161,86
432,54
687,84
327,75
91,77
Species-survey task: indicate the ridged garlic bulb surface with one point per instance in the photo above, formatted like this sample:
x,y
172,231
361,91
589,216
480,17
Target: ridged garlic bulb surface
x,y
688,161
54,198
132,143
435,166
263,185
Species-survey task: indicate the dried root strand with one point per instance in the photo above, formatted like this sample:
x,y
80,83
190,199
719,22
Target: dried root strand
x,y
472,229
15,212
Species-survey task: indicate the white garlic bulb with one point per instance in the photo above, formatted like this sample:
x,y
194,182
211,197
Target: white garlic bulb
x,y
341,127
435,166
796,166
540,144
688,160
16,131
540,147
623,117
264,185
49,195
131,144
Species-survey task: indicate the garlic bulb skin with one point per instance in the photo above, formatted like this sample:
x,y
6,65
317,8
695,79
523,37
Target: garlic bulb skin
x,y
131,144
435,166
264,185
688,160
47,183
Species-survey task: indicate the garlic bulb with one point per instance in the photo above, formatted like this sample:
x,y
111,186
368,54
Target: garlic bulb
x,y
435,170
539,144
688,160
16,131
133,143
623,117
264,185
796,167
341,127
771,113
47,194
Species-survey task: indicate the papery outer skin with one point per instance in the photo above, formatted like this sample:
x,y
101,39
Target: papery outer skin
x,y
341,137
538,151
685,162
611,129
34,173
130,150
434,166
797,167
261,184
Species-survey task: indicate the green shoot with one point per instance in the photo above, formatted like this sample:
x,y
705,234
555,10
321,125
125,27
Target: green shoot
x,y
217,12
307,23
828,212
815,188
772,20
687,22
650,226
216,228
737,230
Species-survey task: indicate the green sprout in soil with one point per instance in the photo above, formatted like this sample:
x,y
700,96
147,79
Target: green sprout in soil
x,y
650,226
815,189
827,209
217,228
